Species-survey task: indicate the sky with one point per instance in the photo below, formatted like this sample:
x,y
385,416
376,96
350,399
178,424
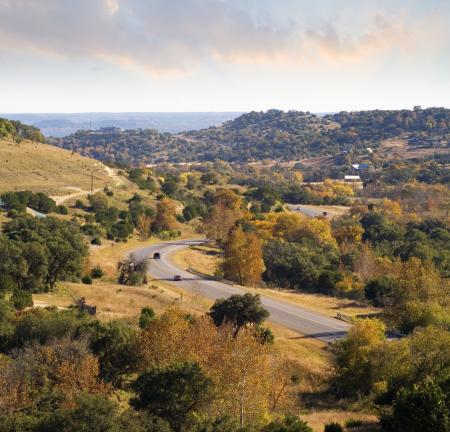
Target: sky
x,y
223,55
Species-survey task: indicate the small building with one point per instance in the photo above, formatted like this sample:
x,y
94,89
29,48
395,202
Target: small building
x,y
360,166
352,178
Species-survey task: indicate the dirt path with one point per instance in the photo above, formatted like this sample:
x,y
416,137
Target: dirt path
x,y
60,199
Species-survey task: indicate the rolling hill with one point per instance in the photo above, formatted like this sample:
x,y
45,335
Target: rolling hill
x,y
270,135
40,167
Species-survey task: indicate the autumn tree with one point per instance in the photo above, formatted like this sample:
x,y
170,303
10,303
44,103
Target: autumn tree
x,y
420,295
354,355
224,213
243,258
165,219
144,226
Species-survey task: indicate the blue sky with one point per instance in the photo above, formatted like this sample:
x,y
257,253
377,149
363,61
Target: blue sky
x,y
223,55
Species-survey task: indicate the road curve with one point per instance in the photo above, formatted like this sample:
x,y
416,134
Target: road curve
x,y
308,323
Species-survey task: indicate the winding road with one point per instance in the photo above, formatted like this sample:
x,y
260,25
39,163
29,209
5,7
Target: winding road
x,y
308,323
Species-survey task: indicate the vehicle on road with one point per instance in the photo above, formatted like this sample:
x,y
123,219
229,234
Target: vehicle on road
x,y
177,278
156,255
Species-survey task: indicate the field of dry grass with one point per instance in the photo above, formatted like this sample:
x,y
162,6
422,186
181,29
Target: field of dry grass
x,y
40,167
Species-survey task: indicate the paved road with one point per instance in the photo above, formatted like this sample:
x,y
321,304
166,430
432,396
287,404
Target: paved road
x,y
304,321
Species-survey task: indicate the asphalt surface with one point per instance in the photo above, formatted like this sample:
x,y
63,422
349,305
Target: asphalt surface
x,y
308,323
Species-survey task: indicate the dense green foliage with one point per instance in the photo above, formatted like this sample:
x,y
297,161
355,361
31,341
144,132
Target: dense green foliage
x,y
36,253
18,131
39,201
238,311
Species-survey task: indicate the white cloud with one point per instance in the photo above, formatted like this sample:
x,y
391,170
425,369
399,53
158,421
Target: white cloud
x,y
160,36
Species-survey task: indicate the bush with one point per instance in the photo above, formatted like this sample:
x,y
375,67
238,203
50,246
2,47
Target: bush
x,y
146,317
333,427
79,204
97,272
21,299
169,235
288,424
96,241
87,280
63,210
352,423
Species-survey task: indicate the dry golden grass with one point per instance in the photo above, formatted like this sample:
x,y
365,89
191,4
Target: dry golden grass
x,y
318,419
205,259
40,167
201,258
115,301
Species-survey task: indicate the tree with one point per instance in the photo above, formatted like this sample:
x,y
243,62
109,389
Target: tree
x,y
114,345
422,408
354,357
243,260
133,270
173,393
144,226
238,311
165,219
224,213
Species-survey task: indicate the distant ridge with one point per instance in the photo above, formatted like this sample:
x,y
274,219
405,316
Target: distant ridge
x,y
271,135
60,125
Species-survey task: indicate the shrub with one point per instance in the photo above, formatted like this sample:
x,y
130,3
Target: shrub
x,y
97,272
21,299
352,423
333,427
63,210
79,204
96,241
146,317
87,280
288,424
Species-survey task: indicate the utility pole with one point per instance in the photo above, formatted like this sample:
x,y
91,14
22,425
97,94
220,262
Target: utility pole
x,y
92,181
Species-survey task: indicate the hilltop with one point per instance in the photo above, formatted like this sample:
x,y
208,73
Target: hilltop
x,y
271,135
40,167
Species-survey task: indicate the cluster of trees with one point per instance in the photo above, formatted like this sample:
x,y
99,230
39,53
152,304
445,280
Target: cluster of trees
x,y
19,201
35,254
104,219
408,378
433,170
19,131
269,135
132,147
59,370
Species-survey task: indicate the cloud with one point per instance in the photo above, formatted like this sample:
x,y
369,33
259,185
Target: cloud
x,y
163,36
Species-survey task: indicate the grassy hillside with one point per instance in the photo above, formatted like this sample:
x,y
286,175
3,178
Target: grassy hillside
x,y
40,167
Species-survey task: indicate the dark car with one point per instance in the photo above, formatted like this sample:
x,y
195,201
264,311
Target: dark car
x,y
156,255
177,278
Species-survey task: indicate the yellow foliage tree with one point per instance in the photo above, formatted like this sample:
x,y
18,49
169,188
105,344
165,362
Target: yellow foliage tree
x,y
243,261
223,215
238,366
166,212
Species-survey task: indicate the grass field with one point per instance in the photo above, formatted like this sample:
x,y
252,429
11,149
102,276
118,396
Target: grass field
x,y
40,167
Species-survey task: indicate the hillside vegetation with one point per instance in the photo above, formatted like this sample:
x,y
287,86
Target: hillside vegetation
x,y
39,167
18,131
271,135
